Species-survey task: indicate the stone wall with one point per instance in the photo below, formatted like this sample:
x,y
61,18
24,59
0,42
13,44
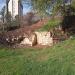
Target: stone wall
x,y
40,38
44,38
34,38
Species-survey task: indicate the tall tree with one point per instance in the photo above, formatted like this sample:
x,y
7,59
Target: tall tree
x,y
48,6
7,12
2,13
73,3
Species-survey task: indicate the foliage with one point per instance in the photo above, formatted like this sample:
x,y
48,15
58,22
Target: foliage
x,y
73,3
2,13
13,24
43,6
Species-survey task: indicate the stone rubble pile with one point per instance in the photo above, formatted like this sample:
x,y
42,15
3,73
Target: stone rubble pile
x,y
32,39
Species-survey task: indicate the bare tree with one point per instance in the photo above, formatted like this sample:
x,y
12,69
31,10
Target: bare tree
x,y
2,13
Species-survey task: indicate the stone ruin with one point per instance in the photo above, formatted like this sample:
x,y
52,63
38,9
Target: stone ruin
x,y
32,39
44,38
40,38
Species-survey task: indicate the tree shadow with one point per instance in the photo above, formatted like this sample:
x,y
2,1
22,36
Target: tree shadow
x,y
68,22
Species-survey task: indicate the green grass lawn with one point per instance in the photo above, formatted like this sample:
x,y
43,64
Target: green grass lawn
x,y
51,24
57,60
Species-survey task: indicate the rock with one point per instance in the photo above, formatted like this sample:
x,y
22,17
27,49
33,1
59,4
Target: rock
x,y
44,38
31,40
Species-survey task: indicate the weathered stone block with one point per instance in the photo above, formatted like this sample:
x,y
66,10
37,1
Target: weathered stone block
x,y
31,40
44,38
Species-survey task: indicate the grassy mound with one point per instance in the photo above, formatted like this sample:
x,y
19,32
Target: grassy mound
x,y
51,24
57,60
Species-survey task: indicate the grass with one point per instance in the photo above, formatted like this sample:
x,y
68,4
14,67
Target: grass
x,y
51,24
57,60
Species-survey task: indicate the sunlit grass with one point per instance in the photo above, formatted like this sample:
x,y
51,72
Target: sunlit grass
x,y
51,24
56,60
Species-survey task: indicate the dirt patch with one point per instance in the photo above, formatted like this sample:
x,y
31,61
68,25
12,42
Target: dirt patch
x,y
35,47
